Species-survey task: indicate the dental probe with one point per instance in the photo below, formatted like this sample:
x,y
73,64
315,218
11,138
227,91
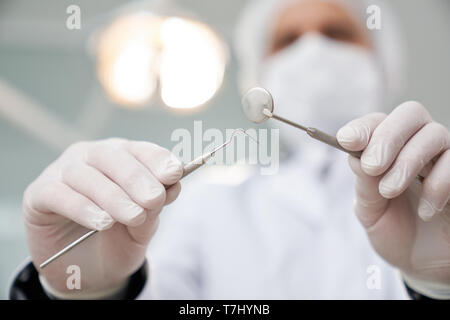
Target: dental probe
x,y
187,169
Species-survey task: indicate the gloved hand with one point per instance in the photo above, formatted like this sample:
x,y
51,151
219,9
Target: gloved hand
x,y
389,199
115,186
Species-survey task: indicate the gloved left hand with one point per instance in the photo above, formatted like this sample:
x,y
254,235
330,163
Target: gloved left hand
x,y
390,199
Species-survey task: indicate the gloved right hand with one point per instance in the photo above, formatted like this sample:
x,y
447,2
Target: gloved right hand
x,y
389,199
115,186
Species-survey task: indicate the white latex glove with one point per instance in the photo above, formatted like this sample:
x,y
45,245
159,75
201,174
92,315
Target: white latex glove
x,y
390,200
115,186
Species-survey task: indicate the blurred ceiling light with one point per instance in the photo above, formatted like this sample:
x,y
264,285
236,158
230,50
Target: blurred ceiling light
x,y
192,63
141,53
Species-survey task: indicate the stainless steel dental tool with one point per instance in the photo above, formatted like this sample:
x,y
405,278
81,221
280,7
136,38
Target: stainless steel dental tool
x,y
187,169
258,107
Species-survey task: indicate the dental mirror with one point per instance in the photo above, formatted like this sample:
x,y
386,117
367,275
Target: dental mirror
x,y
258,107
254,102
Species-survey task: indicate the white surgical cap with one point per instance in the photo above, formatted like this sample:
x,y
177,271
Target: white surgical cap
x,y
257,20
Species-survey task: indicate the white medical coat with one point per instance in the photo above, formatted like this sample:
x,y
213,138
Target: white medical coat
x,y
292,235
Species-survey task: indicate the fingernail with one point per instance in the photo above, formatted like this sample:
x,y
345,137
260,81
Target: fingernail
x,y
135,214
425,210
393,181
173,167
138,219
156,192
102,220
373,158
347,134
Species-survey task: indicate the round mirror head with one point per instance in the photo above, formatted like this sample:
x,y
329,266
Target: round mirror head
x,y
254,102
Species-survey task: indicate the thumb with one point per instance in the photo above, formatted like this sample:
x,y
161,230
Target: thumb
x,y
143,233
355,136
369,205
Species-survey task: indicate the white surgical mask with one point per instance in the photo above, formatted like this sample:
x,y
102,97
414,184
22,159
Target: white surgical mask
x,y
321,83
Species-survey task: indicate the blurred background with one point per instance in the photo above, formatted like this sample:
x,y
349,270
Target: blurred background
x,y
53,91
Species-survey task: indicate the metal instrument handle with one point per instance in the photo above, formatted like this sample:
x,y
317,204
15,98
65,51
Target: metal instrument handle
x,y
330,140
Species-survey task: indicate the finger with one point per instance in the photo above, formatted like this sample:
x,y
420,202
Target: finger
x,y
133,177
355,135
391,135
436,188
426,144
56,197
105,193
143,233
160,161
369,205
172,193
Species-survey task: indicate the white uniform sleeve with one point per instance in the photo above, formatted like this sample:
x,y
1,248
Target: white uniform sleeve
x,y
175,253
